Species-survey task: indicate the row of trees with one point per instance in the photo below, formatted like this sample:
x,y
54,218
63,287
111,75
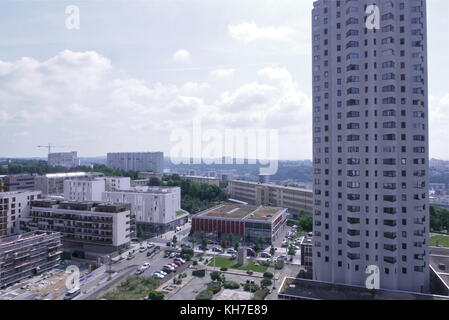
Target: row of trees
x,y
41,167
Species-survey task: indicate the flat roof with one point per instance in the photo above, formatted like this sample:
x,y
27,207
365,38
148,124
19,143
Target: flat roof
x,y
200,177
319,290
243,212
273,185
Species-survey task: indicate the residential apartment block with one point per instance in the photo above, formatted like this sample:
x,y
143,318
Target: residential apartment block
x,y
53,183
370,142
203,179
14,206
84,189
17,182
296,200
137,161
27,255
156,209
90,229
64,159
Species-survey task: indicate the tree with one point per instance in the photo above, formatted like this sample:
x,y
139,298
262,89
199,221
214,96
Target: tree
x,y
174,240
291,250
156,295
154,182
204,243
236,246
215,276
305,223
272,250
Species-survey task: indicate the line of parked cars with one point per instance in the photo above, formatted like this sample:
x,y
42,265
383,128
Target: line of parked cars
x,y
168,268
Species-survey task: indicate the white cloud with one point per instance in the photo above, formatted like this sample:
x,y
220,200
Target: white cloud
x,y
110,111
181,56
250,31
223,73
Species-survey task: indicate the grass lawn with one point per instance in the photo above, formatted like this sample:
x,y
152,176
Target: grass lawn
x,y
133,288
223,262
180,213
443,241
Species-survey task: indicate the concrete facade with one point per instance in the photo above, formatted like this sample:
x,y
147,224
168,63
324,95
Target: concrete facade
x,y
64,159
370,143
296,200
14,206
137,161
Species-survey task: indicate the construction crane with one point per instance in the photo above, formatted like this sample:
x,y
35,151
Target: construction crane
x,y
49,146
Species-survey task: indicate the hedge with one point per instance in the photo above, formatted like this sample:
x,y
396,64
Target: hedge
x,y
205,295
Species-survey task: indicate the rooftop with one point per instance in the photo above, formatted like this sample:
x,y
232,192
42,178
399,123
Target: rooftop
x,y
89,206
244,212
318,290
200,177
273,185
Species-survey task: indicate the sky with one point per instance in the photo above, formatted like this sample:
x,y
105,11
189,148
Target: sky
x,y
136,72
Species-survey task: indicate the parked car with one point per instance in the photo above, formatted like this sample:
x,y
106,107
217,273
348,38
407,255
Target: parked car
x,y
216,249
180,260
150,245
250,252
130,257
150,252
172,255
231,251
146,265
142,249
158,275
284,244
72,293
163,272
168,269
174,265
177,263
265,255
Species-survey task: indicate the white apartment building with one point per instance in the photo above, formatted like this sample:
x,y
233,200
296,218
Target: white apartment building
x,y
53,183
370,143
137,161
89,229
156,209
64,159
116,183
14,206
84,190
296,200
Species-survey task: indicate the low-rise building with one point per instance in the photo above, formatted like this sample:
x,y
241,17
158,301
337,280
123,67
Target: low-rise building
x,y
53,183
90,229
156,209
203,180
439,270
64,159
27,255
245,222
117,183
14,206
306,289
17,182
297,200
